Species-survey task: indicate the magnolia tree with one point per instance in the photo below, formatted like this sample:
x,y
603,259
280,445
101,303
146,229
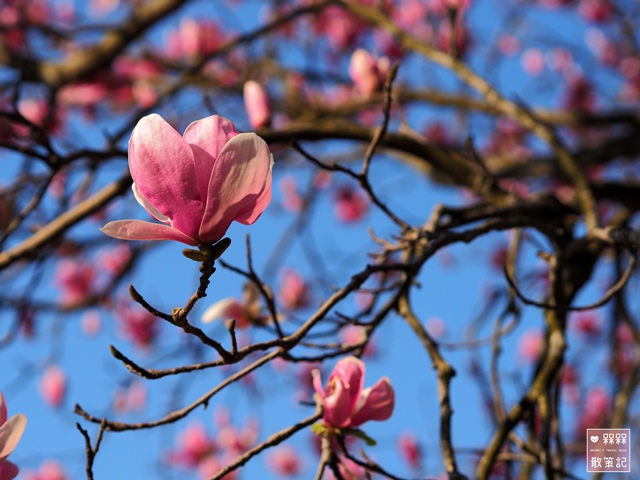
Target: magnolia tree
x,y
441,193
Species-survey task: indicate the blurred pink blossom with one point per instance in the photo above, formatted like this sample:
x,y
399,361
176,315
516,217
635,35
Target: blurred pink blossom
x,y
532,61
531,345
596,11
90,323
53,385
194,38
256,103
354,335
346,403
586,323
410,450
194,446
367,72
137,324
284,460
350,204
294,292
291,199
49,470
113,259
74,278
131,399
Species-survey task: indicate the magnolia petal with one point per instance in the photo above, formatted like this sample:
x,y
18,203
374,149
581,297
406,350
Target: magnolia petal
x,y
8,470
376,403
253,210
207,137
140,230
153,211
351,371
10,434
336,405
238,178
317,381
162,166
219,310
3,410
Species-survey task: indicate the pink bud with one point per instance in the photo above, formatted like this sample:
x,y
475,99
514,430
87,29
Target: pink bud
x,y
257,104
53,385
363,70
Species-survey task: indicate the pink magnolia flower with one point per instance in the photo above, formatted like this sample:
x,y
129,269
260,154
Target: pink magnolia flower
x,y
367,72
231,173
10,432
285,461
344,401
53,385
49,470
257,104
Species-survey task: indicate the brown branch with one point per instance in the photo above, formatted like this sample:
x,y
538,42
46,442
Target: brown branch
x,y
62,223
272,441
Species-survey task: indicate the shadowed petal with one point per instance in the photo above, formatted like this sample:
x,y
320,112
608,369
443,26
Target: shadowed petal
x,y
140,230
225,309
238,179
162,166
10,434
153,211
376,403
253,210
207,138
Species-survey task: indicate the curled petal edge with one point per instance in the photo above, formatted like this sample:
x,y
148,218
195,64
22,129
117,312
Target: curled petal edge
x,y
141,230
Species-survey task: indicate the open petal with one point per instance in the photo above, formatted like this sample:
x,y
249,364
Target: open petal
x,y
207,138
238,179
223,309
253,210
351,371
153,211
376,403
10,434
162,166
140,230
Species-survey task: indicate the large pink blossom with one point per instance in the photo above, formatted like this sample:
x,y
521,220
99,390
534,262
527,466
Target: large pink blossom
x,y
10,432
196,184
346,403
